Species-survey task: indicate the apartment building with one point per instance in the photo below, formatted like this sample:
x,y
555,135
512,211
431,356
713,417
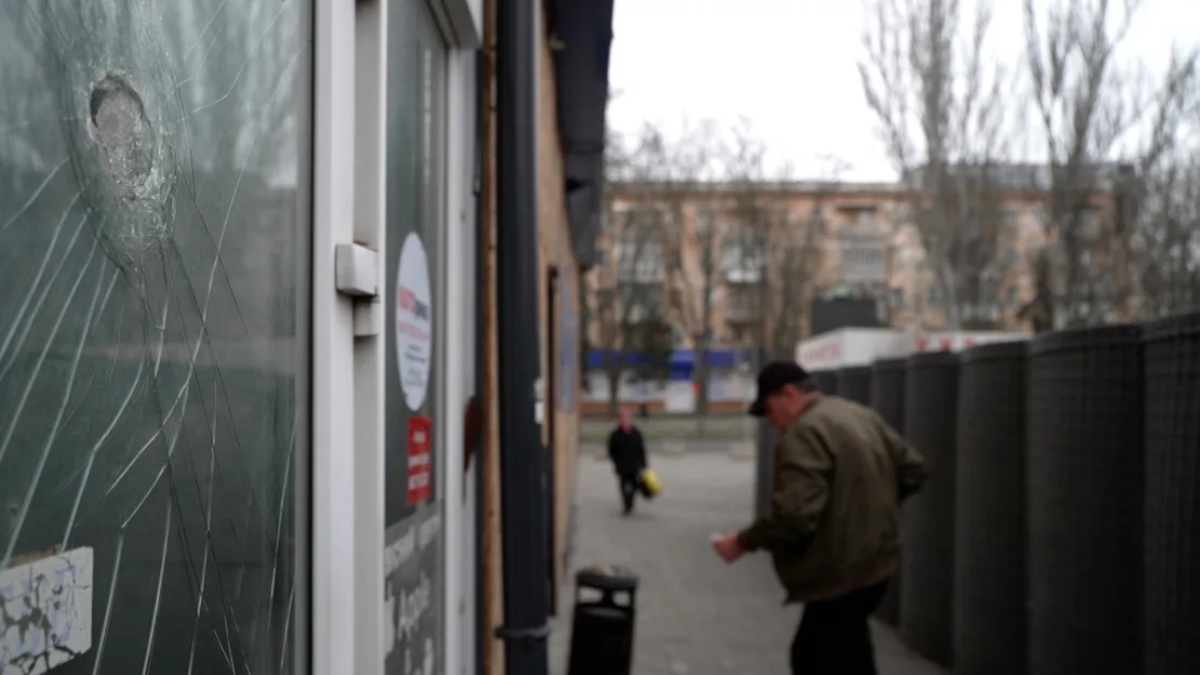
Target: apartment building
x,y
743,266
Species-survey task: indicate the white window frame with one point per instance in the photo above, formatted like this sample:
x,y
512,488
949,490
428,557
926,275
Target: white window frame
x,y
336,550
462,26
348,372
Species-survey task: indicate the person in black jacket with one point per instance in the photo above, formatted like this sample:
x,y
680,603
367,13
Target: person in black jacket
x,y
627,450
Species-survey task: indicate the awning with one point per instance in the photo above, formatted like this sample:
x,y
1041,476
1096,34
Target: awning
x,y
581,33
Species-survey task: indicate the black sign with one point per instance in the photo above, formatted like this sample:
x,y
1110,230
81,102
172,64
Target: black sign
x,y
412,595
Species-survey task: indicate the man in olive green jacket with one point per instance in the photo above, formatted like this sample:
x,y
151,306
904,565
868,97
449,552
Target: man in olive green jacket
x,y
833,528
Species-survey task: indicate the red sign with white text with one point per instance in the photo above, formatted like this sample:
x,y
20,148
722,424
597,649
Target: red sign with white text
x,y
420,440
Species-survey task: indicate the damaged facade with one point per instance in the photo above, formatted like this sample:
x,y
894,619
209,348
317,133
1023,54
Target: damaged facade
x,y
252,317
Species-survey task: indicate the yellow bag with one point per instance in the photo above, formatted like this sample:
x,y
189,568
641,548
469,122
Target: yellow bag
x,y
650,483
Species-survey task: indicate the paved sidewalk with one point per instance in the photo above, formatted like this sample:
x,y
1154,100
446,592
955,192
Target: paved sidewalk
x,y
730,426
674,446
696,616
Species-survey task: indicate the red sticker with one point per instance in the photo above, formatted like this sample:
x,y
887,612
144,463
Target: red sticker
x,y
420,440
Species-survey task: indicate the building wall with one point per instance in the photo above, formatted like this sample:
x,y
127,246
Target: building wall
x,y
556,255
492,559
907,288
732,324
560,430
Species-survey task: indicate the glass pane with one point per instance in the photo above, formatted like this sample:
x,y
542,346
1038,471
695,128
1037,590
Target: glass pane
x,y
154,271
414,593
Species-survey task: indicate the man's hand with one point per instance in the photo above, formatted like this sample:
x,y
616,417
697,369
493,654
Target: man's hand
x,y
728,547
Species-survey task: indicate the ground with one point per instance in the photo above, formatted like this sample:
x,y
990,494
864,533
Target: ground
x,y
695,614
674,426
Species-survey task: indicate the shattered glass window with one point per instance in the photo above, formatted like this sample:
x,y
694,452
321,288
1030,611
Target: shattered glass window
x,y
154,273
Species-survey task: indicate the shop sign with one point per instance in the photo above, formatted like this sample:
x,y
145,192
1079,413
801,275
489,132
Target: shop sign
x,y
420,442
414,322
412,616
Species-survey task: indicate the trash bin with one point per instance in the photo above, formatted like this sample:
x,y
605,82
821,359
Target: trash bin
x,y
602,626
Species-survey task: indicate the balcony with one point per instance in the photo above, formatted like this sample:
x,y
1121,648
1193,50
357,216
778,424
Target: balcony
x,y
743,275
741,313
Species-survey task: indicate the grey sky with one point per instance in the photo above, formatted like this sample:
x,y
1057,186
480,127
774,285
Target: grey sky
x,y
789,66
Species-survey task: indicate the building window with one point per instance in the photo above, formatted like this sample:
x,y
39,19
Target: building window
x,y
1041,219
639,255
864,259
743,258
935,297
644,301
705,221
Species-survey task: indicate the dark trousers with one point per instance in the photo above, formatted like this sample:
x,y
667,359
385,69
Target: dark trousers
x,y
834,636
629,488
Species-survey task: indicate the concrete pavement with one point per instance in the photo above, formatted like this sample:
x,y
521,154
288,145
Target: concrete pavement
x,y
676,446
729,426
695,615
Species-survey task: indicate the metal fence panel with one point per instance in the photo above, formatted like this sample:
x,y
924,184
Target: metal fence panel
x,y
930,397
887,398
1172,575
854,383
827,380
989,526
1085,501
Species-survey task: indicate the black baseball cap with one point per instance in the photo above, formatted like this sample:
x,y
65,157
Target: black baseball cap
x,y
773,377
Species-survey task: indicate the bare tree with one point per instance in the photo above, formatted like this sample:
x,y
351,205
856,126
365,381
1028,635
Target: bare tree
x,y
1103,128
942,113
681,192
755,217
769,253
629,304
1168,240
794,256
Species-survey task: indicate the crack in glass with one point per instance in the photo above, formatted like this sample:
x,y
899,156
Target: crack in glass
x,y
154,271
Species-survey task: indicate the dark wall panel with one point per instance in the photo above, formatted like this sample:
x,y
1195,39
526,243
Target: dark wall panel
x,y
931,395
886,396
1085,501
989,526
830,315
827,380
854,383
1172,601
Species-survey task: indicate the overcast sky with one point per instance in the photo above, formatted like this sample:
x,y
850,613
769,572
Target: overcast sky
x,y
789,66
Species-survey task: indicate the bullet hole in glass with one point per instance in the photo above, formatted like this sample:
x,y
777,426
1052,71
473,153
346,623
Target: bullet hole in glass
x,y
122,134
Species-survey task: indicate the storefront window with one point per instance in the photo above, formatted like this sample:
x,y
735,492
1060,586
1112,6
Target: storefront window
x,y
414,584
154,285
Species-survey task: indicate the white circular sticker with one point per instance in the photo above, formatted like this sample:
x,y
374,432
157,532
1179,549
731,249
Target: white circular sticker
x,y
414,322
